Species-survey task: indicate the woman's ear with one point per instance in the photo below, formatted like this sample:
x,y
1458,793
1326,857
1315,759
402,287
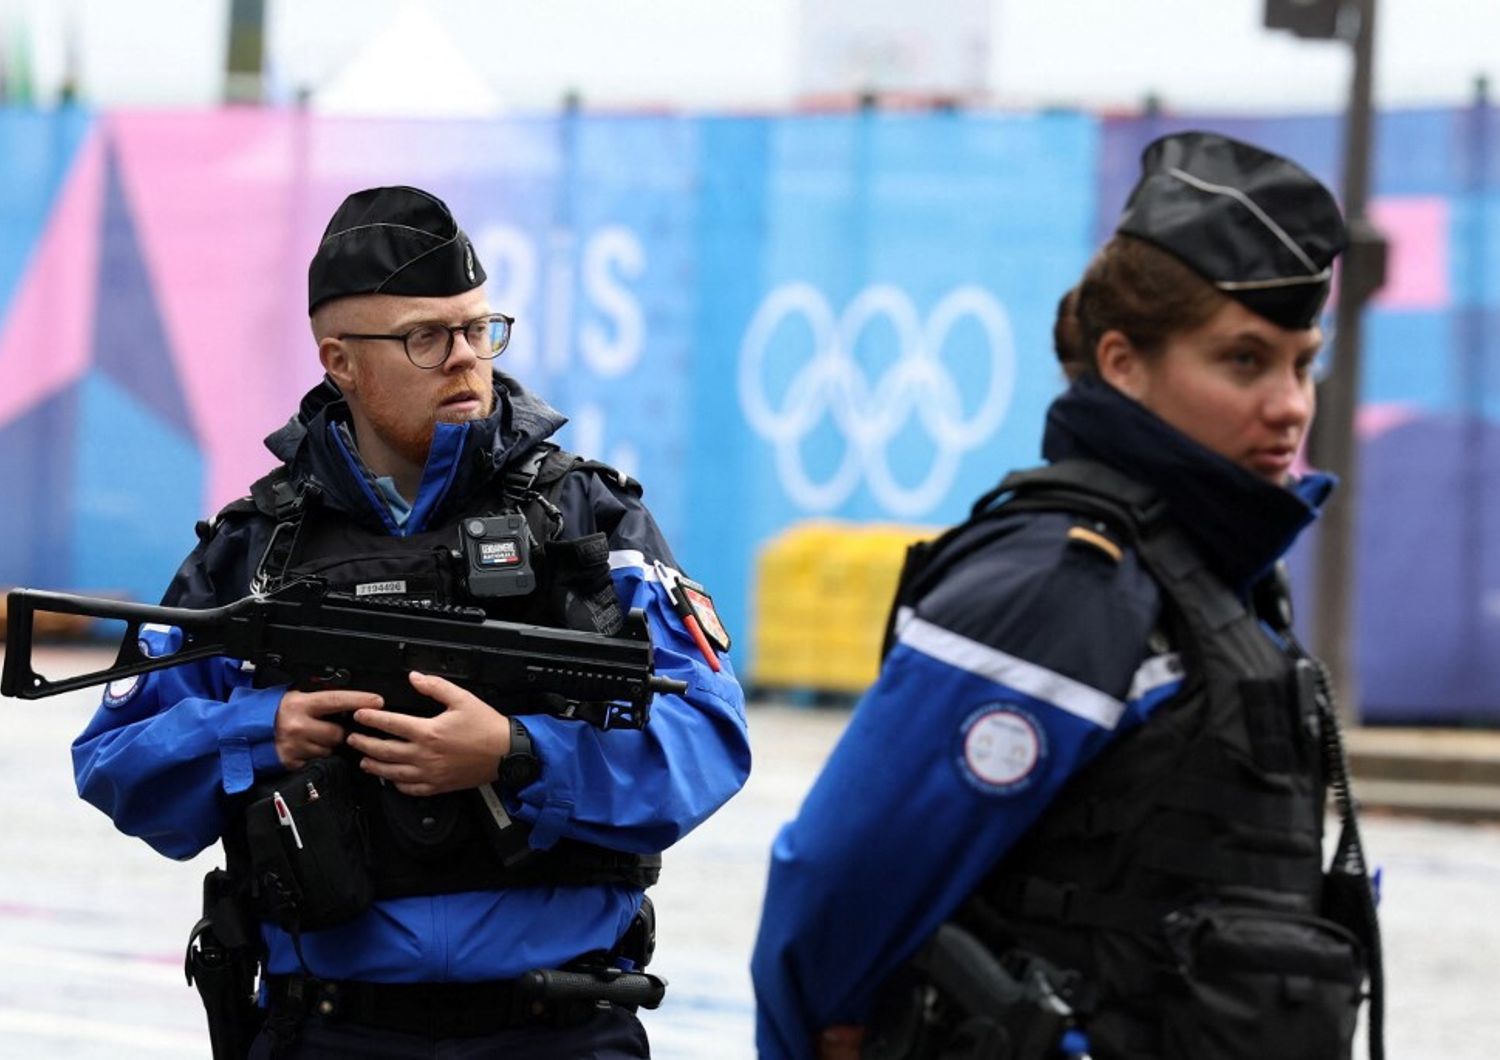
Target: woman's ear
x,y
1120,364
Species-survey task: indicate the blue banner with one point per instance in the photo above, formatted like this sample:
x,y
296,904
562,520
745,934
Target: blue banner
x,y
879,293
765,319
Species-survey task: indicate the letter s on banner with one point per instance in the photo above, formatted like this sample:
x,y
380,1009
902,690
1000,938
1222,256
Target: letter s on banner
x,y
613,246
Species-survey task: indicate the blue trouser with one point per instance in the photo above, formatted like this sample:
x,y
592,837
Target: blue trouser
x,y
614,1034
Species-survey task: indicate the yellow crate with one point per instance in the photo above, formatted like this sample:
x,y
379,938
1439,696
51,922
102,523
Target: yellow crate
x,y
822,591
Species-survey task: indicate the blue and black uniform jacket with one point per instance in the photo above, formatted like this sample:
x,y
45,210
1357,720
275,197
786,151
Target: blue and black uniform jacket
x,y
1020,665
165,752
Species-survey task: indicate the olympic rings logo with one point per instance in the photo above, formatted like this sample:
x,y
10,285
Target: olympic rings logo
x,y
869,414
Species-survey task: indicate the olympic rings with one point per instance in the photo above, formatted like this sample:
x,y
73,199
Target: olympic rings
x,y
869,415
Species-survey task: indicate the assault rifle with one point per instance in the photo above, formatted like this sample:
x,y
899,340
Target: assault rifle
x,y
310,638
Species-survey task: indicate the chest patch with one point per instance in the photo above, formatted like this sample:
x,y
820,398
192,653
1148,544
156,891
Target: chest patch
x,y
1002,746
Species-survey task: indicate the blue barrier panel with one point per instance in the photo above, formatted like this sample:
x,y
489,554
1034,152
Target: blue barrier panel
x,y
884,320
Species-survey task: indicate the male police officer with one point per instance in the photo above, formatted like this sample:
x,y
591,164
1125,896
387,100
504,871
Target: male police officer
x,y
411,438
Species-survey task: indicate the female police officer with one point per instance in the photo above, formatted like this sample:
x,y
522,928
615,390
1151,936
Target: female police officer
x,y
1093,755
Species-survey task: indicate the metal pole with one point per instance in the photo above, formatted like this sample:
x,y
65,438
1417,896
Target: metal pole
x,y
1473,380
1332,442
244,61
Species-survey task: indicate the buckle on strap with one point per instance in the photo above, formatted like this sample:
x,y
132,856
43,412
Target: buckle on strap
x,y
1036,897
520,476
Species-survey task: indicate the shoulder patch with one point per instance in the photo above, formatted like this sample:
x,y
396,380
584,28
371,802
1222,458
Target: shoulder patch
x,y
1093,539
122,690
1001,749
702,607
613,474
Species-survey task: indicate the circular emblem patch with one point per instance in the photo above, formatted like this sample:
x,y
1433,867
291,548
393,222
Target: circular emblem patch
x,y
1001,748
117,692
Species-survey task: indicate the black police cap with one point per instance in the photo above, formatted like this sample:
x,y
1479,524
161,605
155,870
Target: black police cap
x,y
393,241
1258,227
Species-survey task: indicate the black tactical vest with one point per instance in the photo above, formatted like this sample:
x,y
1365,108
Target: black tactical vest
x,y
1180,872
458,841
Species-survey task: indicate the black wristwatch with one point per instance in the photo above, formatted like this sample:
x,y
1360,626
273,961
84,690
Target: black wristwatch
x,y
521,766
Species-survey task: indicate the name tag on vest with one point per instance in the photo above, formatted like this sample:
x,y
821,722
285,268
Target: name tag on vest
x,y
380,588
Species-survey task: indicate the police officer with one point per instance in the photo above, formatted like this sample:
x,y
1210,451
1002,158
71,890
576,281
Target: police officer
x,y
1080,812
412,435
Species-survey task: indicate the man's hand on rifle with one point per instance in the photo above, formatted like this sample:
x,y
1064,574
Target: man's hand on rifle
x,y
303,731
458,749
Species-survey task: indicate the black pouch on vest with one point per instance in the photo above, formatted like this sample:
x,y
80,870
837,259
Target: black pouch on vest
x,y
309,854
1259,983
584,592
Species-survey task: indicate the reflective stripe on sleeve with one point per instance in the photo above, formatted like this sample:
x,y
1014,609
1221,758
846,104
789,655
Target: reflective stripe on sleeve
x,y
1026,677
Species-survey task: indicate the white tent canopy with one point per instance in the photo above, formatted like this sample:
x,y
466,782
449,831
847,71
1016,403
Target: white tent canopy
x,y
411,67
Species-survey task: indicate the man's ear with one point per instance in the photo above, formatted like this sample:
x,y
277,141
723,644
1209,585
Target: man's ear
x,y
336,358
1120,364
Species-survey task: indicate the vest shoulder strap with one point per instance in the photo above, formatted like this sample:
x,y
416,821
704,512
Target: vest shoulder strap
x,y
1082,487
536,481
1135,511
274,496
285,504
557,463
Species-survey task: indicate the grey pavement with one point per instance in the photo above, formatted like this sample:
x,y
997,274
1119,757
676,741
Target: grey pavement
x,y
92,923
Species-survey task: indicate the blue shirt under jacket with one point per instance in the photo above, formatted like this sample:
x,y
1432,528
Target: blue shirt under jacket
x,y
1026,659
165,750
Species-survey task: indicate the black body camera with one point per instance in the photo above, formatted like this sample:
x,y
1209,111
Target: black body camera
x,y
497,555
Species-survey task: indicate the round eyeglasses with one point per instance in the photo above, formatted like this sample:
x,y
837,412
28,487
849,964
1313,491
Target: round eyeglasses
x,y
430,345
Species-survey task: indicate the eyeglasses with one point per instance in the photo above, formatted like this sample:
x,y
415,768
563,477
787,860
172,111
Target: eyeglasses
x,y
430,345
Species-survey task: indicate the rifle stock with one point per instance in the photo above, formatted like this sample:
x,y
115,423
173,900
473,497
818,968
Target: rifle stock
x,y
311,638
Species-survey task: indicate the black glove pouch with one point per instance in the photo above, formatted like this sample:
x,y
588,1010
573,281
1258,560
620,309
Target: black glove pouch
x,y
309,857
1258,983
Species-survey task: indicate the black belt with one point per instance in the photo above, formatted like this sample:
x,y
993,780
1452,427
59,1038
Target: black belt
x,y
435,1010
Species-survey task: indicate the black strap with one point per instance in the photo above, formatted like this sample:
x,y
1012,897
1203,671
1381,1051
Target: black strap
x,y
533,485
1349,873
1081,487
274,495
1035,898
435,1010
1205,796
520,476
1223,866
1088,483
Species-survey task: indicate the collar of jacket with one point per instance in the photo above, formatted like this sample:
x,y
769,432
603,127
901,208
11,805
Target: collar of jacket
x,y
1241,524
519,422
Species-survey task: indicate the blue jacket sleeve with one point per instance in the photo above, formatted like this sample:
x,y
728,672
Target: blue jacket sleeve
x,y
164,748
1016,670
639,791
